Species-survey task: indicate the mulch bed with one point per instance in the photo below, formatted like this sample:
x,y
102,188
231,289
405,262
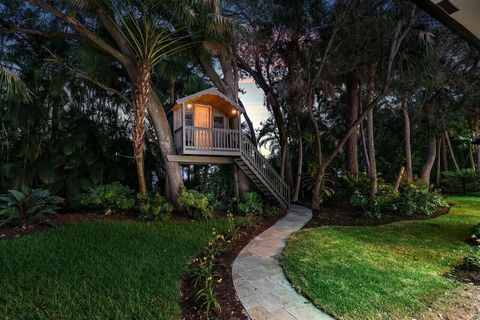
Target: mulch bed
x,y
231,307
463,274
9,232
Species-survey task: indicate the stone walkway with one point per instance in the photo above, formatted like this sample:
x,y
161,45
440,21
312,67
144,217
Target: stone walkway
x,y
259,280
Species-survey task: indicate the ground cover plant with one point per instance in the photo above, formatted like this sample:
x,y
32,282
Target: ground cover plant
x,y
100,270
382,272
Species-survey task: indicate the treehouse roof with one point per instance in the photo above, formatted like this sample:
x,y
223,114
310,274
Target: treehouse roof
x,y
211,97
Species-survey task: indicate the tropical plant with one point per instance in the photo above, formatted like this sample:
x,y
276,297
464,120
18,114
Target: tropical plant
x,y
27,206
153,208
112,198
195,203
251,204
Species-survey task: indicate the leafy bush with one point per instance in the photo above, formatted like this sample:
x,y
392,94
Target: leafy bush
x,y
348,185
27,206
195,203
251,204
475,237
113,198
418,200
412,199
153,208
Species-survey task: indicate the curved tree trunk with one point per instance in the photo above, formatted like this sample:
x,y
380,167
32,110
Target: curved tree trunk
x,y
408,147
351,117
431,145
167,147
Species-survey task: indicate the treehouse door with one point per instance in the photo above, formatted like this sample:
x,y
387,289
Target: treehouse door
x,y
203,125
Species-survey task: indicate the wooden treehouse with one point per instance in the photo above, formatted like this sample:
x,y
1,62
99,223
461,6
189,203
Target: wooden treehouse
x,y
206,130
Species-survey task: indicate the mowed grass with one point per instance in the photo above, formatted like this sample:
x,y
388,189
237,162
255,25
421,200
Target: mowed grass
x,y
100,270
384,272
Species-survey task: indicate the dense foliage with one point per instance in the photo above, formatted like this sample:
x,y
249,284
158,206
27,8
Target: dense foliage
x,y
154,207
112,198
27,206
195,203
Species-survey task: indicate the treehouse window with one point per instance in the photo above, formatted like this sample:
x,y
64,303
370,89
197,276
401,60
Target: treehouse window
x,y
218,122
189,119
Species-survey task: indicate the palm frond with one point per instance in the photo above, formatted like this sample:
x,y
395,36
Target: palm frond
x,y
12,86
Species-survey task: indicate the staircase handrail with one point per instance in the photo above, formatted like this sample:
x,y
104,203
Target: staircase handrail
x,y
262,165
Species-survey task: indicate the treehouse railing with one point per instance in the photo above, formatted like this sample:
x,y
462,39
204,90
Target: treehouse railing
x,y
211,139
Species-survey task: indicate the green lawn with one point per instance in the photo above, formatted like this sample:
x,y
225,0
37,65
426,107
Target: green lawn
x,y
100,270
382,272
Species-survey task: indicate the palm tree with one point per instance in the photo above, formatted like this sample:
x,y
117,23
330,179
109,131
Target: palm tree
x,y
152,40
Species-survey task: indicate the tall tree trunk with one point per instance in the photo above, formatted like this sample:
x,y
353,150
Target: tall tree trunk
x,y
282,162
444,152
282,132
351,117
431,145
478,157
452,153
316,201
364,147
470,156
371,137
298,180
140,102
371,156
439,168
408,147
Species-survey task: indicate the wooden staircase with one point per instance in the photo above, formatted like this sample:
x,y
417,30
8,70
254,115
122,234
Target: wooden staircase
x,y
262,174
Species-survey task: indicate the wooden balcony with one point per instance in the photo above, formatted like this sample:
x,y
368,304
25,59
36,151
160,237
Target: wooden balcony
x,y
207,141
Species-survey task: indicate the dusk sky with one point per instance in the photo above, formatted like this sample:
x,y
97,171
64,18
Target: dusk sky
x,y
253,102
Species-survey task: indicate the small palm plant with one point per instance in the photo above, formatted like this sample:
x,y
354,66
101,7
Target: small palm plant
x,y
27,206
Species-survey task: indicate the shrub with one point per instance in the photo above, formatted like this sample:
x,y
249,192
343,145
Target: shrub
x,y
472,260
27,206
387,201
113,198
195,203
475,237
153,208
251,204
417,200
348,185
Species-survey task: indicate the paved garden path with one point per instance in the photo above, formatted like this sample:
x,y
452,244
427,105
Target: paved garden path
x,y
259,280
